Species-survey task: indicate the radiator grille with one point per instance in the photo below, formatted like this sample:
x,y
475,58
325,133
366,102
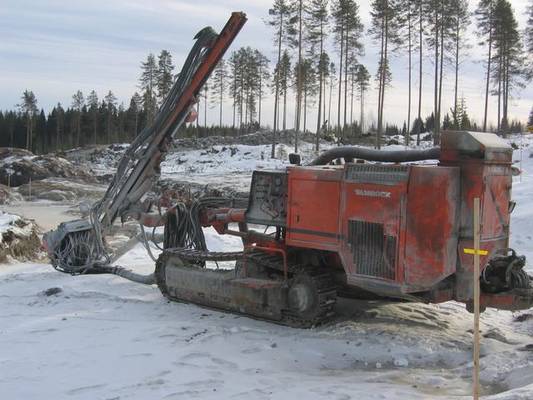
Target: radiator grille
x,y
374,253
377,173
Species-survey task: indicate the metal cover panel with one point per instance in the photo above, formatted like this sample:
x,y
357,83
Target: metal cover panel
x,y
268,198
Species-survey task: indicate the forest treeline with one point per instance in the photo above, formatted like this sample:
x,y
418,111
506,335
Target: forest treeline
x,y
317,70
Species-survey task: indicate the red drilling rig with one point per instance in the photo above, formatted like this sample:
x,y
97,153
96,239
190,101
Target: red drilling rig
x,y
354,221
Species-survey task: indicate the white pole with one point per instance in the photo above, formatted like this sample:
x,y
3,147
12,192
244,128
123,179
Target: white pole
x,y
521,152
476,298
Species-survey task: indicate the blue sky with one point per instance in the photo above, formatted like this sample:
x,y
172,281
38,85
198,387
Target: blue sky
x,y
57,47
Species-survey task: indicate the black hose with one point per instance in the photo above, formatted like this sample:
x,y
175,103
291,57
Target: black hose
x,y
395,156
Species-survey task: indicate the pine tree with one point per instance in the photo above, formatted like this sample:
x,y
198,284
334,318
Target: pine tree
x,y
419,125
529,29
78,101
362,80
439,39
323,67
332,77
384,29
28,107
263,73
60,126
164,76
316,24
121,113
147,82
407,10
509,72
111,105
460,22
308,85
219,86
280,16
235,75
297,42
284,73
133,112
464,118
485,29
530,120
347,28
92,102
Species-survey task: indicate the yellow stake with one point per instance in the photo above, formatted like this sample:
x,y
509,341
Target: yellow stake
x,y
477,253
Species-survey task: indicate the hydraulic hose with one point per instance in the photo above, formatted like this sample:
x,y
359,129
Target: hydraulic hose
x,y
394,156
124,273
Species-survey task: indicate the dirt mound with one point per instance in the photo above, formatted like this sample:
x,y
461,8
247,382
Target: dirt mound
x,y
8,196
56,189
252,139
18,166
102,159
18,238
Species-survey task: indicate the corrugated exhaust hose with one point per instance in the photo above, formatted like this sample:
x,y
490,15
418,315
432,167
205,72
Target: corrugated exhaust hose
x,y
394,156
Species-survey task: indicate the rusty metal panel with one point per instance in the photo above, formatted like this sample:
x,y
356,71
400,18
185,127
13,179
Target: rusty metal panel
x,y
431,225
495,206
313,207
372,250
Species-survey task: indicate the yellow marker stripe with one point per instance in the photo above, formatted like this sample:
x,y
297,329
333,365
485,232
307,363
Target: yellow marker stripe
x,y
473,252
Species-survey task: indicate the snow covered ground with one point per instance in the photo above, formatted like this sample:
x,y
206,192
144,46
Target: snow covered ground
x,y
102,337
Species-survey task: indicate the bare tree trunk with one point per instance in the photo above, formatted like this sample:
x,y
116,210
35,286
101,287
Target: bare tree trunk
x,y
339,132
440,81
362,117
299,89
506,98
488,74
220,101
384,83
330,97
420,63
380,86
321,84
408,132
205,108
305,110
436,89
500,66
351,97
345,81
285,109
276,95
234,95
260,99
324,119
456,87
